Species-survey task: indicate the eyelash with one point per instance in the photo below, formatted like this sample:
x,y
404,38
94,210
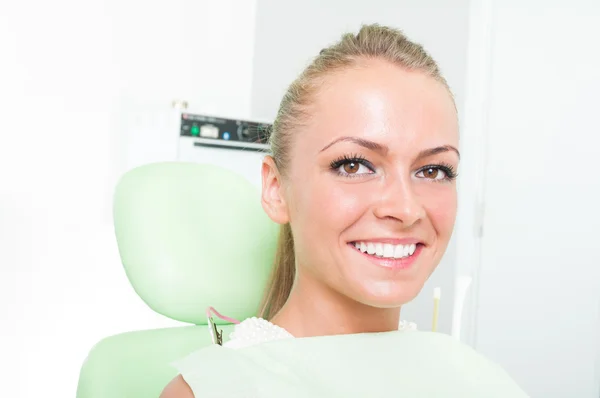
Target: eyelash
x,y
339,162
446,168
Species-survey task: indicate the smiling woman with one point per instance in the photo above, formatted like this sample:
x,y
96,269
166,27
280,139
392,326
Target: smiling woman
x,y
362,179
372,167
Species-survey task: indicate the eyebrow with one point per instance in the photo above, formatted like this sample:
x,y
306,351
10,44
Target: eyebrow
x,y
374,146
439,149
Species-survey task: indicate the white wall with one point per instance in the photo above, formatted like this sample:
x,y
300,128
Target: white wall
x,y
71,73
297,31
538,296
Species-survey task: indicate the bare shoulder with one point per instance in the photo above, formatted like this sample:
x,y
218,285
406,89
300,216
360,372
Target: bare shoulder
x,y
177,388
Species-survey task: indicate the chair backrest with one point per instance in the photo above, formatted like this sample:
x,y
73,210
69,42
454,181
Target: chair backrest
x,y
190,236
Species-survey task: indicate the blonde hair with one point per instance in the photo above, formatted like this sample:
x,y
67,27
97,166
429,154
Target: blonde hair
x,y
371,42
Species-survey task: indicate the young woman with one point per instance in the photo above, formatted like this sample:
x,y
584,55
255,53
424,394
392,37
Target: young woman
x,y
362,180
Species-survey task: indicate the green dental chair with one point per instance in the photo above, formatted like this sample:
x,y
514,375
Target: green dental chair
x,y
190,236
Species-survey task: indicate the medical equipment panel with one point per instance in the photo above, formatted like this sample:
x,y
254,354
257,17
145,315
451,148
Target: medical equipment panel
x,y
225,132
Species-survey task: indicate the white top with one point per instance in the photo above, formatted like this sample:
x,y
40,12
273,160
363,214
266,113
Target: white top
x,y
254,331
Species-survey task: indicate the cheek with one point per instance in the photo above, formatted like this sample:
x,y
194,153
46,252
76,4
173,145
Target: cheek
x,y
342,203
440,203
326,207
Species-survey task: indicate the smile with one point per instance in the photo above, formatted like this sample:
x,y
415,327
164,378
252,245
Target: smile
x,y
389,255
386,250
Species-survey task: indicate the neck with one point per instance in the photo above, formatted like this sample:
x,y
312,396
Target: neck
x,y
321,311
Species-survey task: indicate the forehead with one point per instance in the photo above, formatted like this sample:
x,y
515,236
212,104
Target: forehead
x,y
406,110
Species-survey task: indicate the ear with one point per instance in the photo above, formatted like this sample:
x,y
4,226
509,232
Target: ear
x,y
273,200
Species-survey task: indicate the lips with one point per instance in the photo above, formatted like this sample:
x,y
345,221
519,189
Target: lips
x,y
386,250
389,254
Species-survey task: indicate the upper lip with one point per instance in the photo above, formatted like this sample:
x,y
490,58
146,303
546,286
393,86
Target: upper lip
x,y
392,241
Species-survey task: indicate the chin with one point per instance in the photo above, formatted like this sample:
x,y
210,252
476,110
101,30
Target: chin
x,y
387,295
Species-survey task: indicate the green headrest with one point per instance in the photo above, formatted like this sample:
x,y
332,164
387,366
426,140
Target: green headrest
x,y
192,236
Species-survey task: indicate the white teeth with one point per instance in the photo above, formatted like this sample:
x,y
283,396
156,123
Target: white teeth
x,y
386,250
413,247
370,248
398,251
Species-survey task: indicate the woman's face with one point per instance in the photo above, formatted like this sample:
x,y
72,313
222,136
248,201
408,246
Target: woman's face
x,y
369,191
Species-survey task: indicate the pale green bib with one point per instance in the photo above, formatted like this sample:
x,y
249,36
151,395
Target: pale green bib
x,y
394,364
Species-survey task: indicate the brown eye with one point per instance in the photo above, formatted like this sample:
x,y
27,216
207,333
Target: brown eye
x,y
351,167
437,173
431,173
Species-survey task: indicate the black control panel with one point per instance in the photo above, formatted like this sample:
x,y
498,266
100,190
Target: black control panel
x,y
225,133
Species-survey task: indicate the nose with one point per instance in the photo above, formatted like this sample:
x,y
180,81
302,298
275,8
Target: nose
x,y
398,201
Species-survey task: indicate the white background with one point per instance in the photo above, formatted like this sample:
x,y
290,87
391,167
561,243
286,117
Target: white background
x,y
72,74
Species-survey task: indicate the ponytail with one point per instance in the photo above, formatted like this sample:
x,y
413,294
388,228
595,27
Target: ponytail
x,y
282,278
